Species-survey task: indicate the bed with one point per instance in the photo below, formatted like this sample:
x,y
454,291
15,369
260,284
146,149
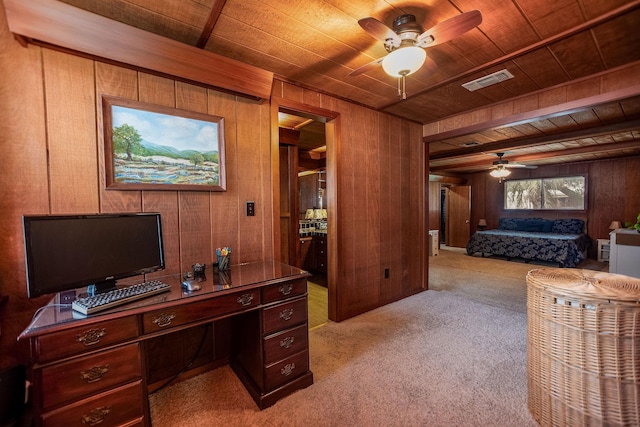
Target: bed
x,y
561,241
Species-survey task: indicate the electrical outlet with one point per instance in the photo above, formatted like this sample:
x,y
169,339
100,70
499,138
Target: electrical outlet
x,y
386,273
251,208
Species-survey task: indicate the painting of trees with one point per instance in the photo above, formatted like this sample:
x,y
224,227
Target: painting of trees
x,y
126,139
156,147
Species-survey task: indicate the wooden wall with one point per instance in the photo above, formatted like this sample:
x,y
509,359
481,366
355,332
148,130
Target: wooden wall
x,y
612,186
52,162
381,203
613,194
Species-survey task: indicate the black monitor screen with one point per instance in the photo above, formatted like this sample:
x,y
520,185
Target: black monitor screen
x,y
68,252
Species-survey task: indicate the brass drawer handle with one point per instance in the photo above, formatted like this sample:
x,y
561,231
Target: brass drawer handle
x,y
245,299
94,374
91,337
286,314
96,416
286,289
287,342
164,319
288,369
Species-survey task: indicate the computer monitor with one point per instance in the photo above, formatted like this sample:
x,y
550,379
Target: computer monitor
x,y
65,252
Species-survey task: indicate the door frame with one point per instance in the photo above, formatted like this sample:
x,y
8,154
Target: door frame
x,y
332,139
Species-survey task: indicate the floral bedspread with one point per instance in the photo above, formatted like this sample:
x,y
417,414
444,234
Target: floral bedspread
x,y
568,250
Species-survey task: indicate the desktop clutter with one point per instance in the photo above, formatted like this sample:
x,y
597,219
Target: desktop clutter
x,y
193,279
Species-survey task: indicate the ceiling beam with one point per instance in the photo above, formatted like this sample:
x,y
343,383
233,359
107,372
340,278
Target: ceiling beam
x,y
590,149
60,26
565,108
216,10
495,147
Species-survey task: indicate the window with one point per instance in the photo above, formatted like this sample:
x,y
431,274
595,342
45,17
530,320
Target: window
x,y
566,193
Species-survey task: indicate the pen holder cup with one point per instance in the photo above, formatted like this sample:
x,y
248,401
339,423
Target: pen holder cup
x,y
224,262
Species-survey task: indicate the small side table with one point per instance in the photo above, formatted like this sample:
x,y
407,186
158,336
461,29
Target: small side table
x,y
604,250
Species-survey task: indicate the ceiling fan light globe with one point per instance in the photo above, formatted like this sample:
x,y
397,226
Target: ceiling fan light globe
x,y
500,173
404,61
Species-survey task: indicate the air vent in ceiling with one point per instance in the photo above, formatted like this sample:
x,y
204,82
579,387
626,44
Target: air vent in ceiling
x,y
469,144
491,79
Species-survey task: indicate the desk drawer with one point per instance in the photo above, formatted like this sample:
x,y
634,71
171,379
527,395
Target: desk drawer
x,y
85,338
175,316
286,370
284,315
285,343
65,382
112,408
284,290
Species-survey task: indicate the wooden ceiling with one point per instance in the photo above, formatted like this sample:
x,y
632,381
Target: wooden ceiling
x,y
317,43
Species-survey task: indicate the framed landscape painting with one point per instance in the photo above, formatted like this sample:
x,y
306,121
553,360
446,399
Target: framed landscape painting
x,y
151,147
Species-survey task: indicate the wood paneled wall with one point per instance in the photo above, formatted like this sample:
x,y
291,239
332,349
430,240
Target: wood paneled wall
x,y
52,162
379,180
612,186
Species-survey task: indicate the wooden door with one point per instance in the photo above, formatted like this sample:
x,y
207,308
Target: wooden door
x,y
458,228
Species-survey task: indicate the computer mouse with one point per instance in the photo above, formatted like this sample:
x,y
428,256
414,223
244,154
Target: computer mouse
x,y
191,285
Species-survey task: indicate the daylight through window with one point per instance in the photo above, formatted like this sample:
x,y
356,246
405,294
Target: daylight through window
x,y
566,193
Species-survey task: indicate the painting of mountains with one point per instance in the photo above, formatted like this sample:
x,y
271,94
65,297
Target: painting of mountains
x,y
154,147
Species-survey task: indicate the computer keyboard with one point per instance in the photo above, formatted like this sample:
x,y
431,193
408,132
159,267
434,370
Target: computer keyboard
x,y
113,298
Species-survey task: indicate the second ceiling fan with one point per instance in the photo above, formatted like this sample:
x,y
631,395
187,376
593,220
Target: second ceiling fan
x,y
500,168
406,42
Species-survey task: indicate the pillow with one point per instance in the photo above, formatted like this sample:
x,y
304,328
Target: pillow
x,y
568,226
529,224
507,223
547,225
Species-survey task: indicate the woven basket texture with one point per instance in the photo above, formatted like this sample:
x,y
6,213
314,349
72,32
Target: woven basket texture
x,y
583,348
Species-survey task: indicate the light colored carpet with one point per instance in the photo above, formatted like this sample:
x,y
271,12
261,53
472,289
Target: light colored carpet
x,y
491,280
451,356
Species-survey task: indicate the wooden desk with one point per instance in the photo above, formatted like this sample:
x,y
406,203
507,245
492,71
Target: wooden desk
x,y
92,370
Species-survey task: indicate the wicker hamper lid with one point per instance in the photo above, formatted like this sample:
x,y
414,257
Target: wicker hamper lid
x,y
579,282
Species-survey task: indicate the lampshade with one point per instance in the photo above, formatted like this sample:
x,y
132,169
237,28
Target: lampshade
x,y
615,225
308,214
500,173
404,61
482,222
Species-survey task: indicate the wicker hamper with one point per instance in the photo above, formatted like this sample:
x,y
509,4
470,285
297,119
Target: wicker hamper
x,y
583,348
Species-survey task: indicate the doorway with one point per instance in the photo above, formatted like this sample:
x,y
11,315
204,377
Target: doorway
x,y
306,145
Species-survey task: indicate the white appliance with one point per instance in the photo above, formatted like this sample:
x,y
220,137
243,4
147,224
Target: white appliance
x,y
624,257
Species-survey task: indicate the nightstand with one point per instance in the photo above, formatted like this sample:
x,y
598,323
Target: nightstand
x,y
604,248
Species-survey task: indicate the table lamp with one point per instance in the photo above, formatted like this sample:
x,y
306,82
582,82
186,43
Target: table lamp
x,y
615,225
482,224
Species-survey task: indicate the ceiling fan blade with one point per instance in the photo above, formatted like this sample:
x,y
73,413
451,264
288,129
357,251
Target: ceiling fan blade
x,y
379,31
367,67
521,166
450,29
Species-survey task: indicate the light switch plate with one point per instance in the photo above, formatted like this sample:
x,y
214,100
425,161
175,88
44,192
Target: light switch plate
x,y
251,208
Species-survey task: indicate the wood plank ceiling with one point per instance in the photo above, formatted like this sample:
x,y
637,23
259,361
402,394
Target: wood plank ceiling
x,y
317,43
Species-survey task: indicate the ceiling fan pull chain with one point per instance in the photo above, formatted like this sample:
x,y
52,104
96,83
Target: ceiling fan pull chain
x,y
404,87
399,90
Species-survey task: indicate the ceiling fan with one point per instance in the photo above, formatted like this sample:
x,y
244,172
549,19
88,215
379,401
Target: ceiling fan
x,y
500,168
406,42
